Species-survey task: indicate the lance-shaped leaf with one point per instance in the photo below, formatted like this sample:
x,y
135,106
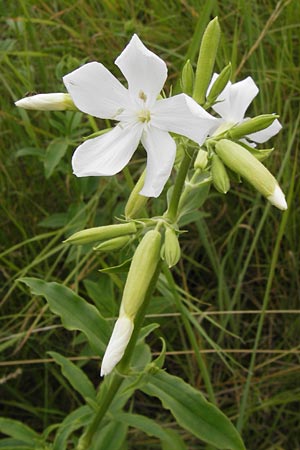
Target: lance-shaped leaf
x,y
74,311
193,412
19,431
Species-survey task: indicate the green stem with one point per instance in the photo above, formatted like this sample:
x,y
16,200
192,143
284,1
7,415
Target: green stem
x,y
123,369
171,213
191,336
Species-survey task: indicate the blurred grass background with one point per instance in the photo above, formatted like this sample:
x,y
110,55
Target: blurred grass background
x,y
239,276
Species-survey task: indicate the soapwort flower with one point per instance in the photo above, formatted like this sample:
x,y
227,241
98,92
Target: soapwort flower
x,y
232,104
140,114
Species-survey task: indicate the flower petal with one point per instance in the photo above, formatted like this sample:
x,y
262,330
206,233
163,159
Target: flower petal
x,y
161,152
96,91
145,72
235,99
181,114
106,154
266,134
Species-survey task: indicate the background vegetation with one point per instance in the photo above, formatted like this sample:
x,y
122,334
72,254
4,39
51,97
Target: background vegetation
x,y
239,275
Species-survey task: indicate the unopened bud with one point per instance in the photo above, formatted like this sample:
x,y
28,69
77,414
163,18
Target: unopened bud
x,y
136,202
47,102
219,175
219,85
206,60
171,249
201,160
187,78
142,268
252,126
244,163
101,233
112,244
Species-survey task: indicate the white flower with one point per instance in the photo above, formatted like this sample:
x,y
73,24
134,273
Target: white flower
x,y
47,102
140,115
232,105
117,344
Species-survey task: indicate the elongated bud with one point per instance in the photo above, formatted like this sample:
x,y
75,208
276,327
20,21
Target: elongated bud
x,y
101,233
142,268
244,163
201,160
219,85
187,78
252,126
171,249
117,344
219,174
47,102
136,202
206,60
113,244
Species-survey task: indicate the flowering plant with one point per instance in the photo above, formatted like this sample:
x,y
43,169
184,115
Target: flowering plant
x,y
207,149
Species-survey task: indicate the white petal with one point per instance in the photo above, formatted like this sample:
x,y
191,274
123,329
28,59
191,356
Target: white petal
x,y
107,154
96,91
181,114
117,344
278,199
145,72
267,133
235,99
161,152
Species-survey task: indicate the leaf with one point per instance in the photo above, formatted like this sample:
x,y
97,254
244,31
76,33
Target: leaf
x,y
76,377
19,431
151,428
14,444
30,151
123,267
74,311
110,437
102,295
193,412
76,419
56,150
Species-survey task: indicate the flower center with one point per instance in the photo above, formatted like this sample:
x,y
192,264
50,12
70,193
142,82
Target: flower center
x,y
144,115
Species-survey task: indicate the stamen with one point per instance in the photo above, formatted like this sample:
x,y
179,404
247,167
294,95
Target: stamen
x,y
142,95
144,115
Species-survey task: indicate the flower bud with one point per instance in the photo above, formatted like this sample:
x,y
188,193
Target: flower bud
x,y
252,126
219,175
142,268
201,160
136,202
206,60
101,233
117,344
112,244
244,163
171,249
219,85
47,102
187,78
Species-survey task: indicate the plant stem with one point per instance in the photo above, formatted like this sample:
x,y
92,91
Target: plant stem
x,y
123,369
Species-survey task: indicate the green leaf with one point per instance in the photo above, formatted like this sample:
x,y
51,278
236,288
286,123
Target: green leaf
x,y
19,431
151,428
56,150
110,437
77,419
101,292
14,444
193,412
74,311
76,377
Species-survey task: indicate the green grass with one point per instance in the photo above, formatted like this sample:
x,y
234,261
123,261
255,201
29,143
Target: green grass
x,y
239,276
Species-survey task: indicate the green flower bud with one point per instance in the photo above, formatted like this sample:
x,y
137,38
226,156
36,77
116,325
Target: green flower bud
x,y
219,85
136,202
142,268
206,60
219,175
47,102
244,163
171,251
112,244
252,126
187,78
101,233
201,160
